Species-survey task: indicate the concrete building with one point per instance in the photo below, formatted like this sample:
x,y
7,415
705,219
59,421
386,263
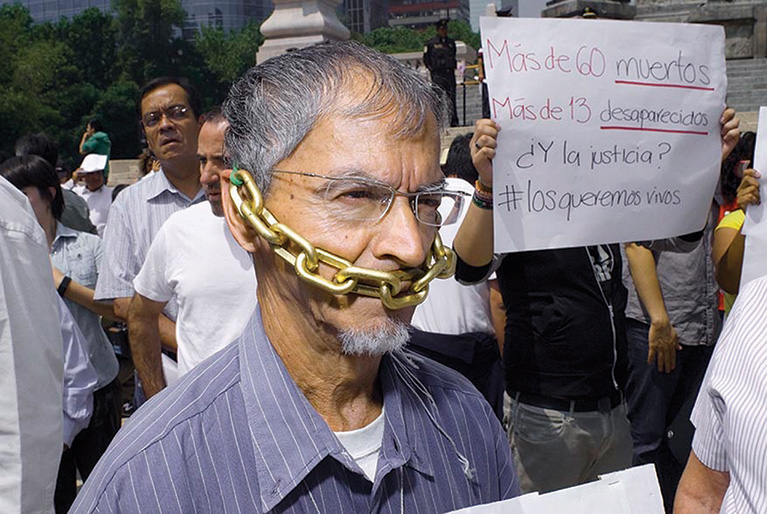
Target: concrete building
x,y
419,14
362,16
53,10
478,8
745,28
228,15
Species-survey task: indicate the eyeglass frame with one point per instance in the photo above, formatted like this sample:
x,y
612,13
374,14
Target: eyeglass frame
x,y
165,111
412,197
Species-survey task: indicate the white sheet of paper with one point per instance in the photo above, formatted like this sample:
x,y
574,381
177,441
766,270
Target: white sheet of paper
x,y
632,491
610,129
754,228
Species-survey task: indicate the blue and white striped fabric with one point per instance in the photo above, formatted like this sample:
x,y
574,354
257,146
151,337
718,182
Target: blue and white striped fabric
x,y
237,435
730,414
134,219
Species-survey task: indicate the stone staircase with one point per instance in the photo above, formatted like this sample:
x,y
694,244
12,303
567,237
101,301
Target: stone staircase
x,y
747,84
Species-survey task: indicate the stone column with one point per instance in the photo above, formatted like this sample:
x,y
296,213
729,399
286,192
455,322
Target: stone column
x,y
296,24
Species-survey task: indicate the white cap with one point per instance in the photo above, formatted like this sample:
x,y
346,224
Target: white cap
x,y
93,162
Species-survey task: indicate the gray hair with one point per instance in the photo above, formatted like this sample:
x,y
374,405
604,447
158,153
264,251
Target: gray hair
x,y
276,104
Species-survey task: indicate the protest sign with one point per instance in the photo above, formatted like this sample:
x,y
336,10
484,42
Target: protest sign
x,y
631,491
610,129
755,228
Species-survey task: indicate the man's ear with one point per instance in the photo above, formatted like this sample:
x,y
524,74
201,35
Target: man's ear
x,y
243,233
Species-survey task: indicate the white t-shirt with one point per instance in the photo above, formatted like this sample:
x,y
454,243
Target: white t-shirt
x,y
98,202
450,307
364,445
195,258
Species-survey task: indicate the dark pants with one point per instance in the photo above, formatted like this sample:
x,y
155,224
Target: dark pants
x,y
659,407
89,445
445,80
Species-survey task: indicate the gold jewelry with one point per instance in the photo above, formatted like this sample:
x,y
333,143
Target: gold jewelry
x,y
440,261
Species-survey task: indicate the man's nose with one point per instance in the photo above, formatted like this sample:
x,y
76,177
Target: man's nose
x,y
165,122
402,237
209,174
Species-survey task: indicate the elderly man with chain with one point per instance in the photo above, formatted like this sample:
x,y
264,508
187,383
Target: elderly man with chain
x,y
317,407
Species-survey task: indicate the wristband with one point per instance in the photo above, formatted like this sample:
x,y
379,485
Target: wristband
x,y
483,195
482,201
63,286
479,186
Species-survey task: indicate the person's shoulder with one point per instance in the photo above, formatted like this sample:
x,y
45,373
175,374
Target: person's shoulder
x,y
190,220
87,238
751,304
733,220
169,416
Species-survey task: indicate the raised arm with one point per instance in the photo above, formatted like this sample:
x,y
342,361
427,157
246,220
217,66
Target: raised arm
x,y
474,241
729,243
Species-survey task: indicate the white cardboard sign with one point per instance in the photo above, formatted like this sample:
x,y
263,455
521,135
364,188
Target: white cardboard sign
x,y
610,129
754,228
632,491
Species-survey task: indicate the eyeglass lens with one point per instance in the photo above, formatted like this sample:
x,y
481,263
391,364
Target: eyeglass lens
x,y
174,113
362,201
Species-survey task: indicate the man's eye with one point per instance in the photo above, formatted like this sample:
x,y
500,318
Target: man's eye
x,y
430,201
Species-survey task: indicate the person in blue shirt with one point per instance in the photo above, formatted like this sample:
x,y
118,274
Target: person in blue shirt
x,y
318,406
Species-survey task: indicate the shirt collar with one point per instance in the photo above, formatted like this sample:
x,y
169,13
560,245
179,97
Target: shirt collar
x,y
160,184
277,401
63,232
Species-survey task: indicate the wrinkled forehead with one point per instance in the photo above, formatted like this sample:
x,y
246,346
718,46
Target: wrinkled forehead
x,y
211,137
359,94
163,97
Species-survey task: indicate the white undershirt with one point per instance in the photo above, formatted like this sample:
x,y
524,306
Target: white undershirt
x,y
364,445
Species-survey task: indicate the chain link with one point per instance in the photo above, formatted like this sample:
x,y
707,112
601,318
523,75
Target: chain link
x,y
440,261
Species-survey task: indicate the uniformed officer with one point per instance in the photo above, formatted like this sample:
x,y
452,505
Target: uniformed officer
x,y
439,57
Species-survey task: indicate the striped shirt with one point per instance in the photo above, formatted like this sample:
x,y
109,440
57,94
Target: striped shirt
x,y
227,439
134,219
730,414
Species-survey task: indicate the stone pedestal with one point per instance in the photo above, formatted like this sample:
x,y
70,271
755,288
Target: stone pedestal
x,y
606,9
296,24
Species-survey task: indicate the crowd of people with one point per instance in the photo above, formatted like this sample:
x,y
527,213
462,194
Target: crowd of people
x,y
268,265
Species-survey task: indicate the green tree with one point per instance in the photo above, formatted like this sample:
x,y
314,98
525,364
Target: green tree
x,y
400,39
117,109
15,25
226,56
92,40
394,40
145,35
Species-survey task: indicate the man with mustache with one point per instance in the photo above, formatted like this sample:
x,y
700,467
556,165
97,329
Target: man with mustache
x,y
168,108
195,260
318,407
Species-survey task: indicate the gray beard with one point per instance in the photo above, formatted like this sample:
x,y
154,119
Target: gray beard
x,y
387,337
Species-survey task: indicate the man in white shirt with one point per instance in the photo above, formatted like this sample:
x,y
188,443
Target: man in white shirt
x,y
31,363
727,469
195,259
94,190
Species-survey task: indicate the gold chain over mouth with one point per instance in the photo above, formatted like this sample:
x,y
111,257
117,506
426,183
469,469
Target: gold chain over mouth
x,y
440,261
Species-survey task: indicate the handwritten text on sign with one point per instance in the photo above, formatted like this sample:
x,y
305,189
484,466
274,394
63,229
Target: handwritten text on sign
x,y
610,129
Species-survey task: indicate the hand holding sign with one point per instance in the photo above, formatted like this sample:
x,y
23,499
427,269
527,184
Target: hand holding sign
x,y
610,129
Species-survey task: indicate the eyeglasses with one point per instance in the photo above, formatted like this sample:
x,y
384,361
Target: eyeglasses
x,y
173,113
364,199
